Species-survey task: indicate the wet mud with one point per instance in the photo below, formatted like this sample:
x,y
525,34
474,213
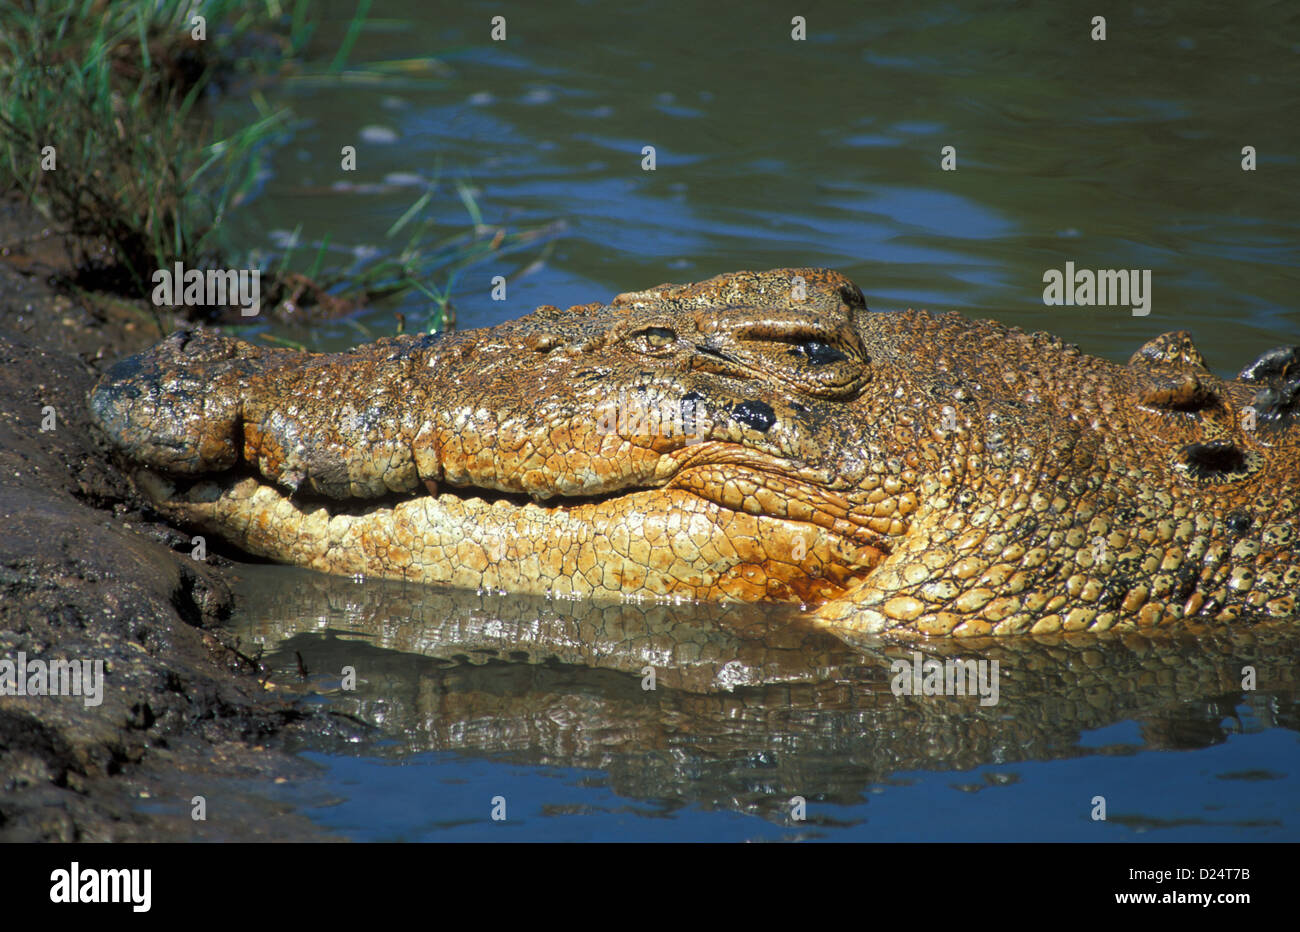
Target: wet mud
x,y
88,573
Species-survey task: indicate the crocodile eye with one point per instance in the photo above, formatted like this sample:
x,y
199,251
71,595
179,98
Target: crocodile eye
x,y
817,353
657,337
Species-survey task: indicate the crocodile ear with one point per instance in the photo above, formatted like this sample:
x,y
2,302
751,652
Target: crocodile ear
x,y
1174,349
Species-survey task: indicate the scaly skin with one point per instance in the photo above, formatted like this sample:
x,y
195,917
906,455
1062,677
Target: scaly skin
x,y
755,436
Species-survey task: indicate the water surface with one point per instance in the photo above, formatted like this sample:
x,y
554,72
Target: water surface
x,y
544,703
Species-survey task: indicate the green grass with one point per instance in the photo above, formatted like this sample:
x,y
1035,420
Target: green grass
x,y
144,176
114,88
421,253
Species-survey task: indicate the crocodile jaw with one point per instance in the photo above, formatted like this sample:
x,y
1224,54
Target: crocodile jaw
x,y
643,544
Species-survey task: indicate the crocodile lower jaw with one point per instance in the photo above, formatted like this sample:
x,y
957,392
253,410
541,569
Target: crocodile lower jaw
x,y
643,543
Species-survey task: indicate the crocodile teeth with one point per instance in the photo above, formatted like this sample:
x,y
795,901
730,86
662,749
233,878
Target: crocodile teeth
x,y
431,485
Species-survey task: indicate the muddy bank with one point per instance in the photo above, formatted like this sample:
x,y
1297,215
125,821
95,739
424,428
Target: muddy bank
x,y
88,573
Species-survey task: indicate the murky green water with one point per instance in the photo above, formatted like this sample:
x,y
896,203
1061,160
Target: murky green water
x,y
1118,154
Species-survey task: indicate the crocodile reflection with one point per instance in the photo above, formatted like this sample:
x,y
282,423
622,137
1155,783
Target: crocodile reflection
x,y
750,706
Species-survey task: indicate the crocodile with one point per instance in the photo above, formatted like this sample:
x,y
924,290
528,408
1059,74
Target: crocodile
x,y
756,436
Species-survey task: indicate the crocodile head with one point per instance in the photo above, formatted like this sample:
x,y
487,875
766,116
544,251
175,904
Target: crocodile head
x,y
755,436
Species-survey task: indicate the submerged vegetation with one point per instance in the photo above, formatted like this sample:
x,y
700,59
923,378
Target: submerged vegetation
x,y
106,129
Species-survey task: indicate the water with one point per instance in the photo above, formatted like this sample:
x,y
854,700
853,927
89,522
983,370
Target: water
x,y
543,703
1117,154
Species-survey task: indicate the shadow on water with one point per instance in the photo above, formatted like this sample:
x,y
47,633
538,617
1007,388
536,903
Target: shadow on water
x,y
751,706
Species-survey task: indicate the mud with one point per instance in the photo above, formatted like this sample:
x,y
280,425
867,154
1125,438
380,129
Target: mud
x,y
88,572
